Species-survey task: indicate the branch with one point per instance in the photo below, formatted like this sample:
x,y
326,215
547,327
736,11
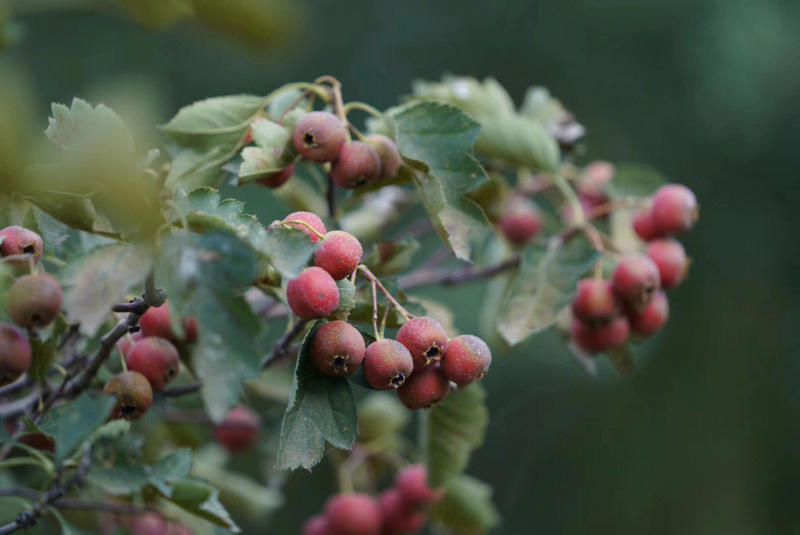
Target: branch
x,y
448,277
181,390
281,348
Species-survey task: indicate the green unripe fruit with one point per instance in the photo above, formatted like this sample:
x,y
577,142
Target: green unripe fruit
x,y
35,300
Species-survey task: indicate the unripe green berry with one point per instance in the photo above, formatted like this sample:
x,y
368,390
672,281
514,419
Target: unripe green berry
x,y
338,348
34,300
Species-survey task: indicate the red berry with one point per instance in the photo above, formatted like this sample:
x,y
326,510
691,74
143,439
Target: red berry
x,y
652,317
466,359
425,339
339,254
593,181
148,524
276,180
353,514
155,358
521,221
358,164
391,161
316,525
412,483
309,219
398,517
338,348
34,300
675,209
313,294
595,301
238,430
643,225
15,353
387,363
670,258
156,321
126,343
134,395
319,136
19,240
636,279
597,338
423,388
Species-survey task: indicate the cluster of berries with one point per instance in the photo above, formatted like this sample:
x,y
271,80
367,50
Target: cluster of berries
x,y
398,510
149,523
605,312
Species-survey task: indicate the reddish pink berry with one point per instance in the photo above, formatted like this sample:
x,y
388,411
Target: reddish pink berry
x,y
670,258
316,525
34,301
423,388
652,317
387,364
309,219
521,221
148,524
155,358
313,294
319,136
391,161
339,254
398,517
425,339
126,343
358,164
338,348
636,279
15,353
675,209
276,180
594,339
595,301
466,359
239,430
19,240
156,321
412,484
353,514
593,181
643,224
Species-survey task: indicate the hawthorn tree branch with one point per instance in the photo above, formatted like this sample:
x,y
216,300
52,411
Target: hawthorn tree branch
x,y
181,390
449,277
281,348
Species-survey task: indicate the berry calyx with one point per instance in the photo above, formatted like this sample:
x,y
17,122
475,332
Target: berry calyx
x,y
156,321
276,180
391,161
423,388
674,209
353,514
313,294
310,219
425,339
387,364
521,221
19,241
134,395
595,301
636,280
643,224
155,358
412,484
670,258
466,359
338,348
358,164
34,300
652,317
597,338
319,136
339,254
15,353
398,516
316,525
238,430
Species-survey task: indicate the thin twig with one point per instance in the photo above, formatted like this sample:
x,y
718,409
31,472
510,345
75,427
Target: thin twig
x,y
281,348
389,297
181,390
448,277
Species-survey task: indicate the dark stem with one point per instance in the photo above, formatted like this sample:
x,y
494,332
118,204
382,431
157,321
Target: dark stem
x,y
181,390
332,199
448,277
281,348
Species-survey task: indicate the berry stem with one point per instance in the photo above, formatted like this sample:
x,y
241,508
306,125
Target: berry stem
x,y
371,277
336,96
289,222
364,107
375,309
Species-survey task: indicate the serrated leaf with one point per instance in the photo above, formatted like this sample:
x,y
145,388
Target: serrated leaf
x,y
173,466
321,409
191,169
391,257
201,499
81,123
634,180
545,283
439,138
102,279
274,151
454,428
72,423
120,480
467,507
347,298
288,250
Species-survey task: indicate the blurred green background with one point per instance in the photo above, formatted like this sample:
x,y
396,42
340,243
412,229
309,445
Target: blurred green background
x,y
704,437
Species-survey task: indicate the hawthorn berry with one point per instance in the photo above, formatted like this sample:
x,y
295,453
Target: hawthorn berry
x,y
316,525
521,221
238,430
387,364
134,394
358,164
148,524
425,339
412,484
674,209
652,317
338,348
670,258
319,136
312,220
126,343
391,161
636,279
34,300
597,338
15,353
155,358
466,359
398,516
313,294
595,301
353,514
276,180
423,388
156,321
643,224
593,181
18,241
339,254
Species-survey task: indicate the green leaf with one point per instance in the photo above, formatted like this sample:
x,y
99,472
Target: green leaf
x,y
191,168
44,354
273,153
546,282
391,257
201,499
439,137
321,408
454,428
288,250
467,507
172,467
120,480
81,124
347,298
634,180
102,279
72,423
